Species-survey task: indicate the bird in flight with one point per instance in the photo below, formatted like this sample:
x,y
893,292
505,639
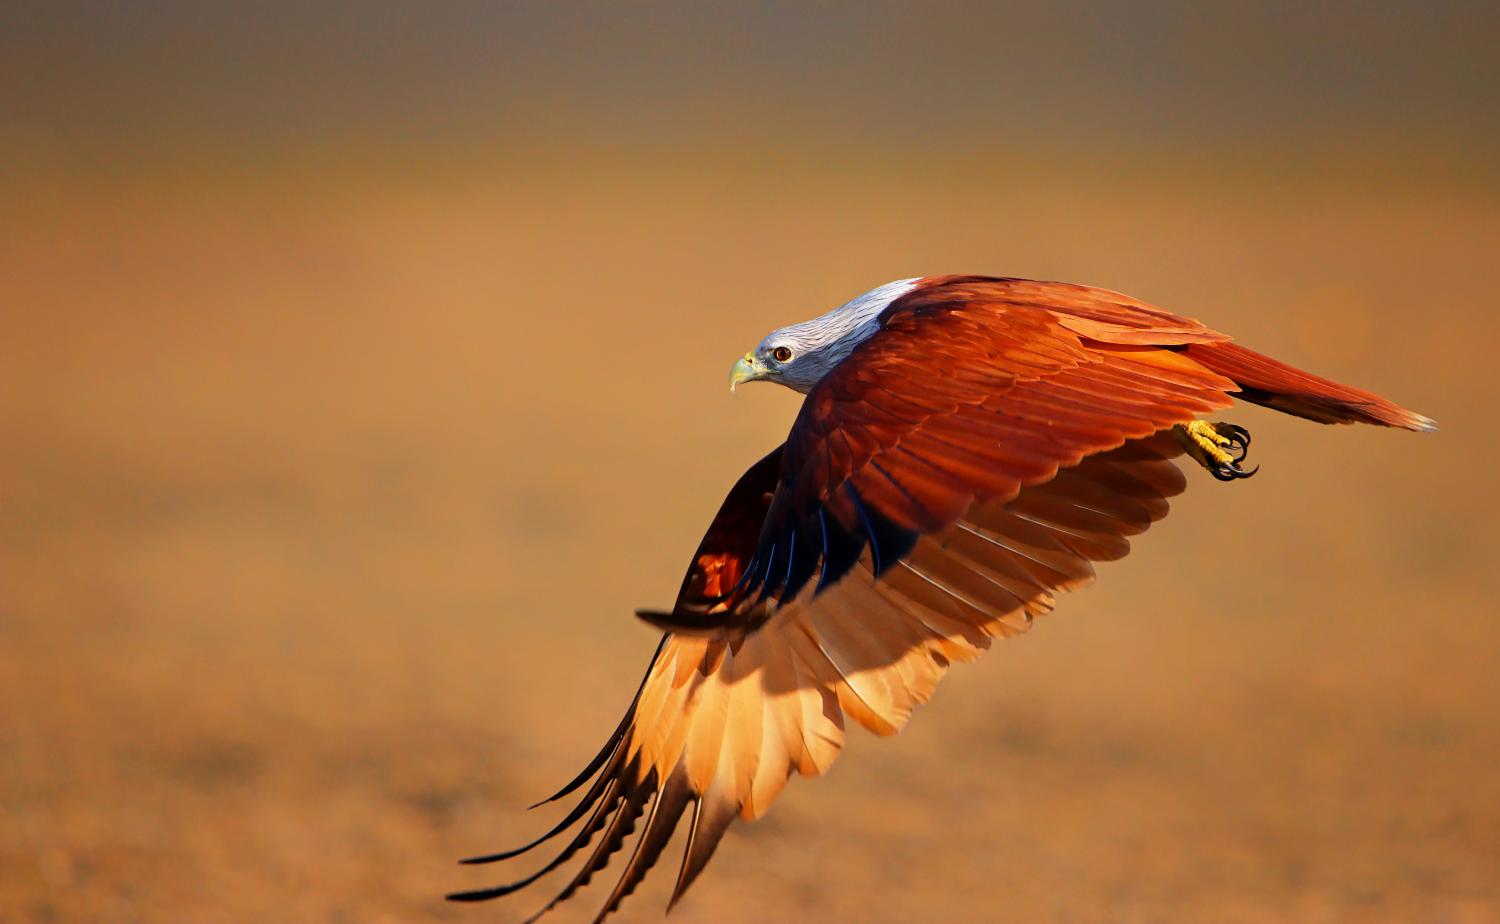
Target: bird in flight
x,y
968,447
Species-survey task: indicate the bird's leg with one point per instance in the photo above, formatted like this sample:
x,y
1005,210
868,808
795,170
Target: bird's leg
x,y
1219,447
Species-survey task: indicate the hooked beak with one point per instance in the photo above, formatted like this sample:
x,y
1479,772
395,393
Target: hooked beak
x,y
745,369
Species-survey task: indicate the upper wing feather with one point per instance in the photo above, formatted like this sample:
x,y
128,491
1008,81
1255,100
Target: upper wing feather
x,y
971,390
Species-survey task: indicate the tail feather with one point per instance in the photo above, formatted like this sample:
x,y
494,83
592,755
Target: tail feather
x,y
1276,385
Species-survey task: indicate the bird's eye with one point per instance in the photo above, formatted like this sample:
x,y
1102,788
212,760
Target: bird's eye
x,y
781,354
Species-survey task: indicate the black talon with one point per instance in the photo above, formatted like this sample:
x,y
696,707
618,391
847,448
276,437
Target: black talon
x,y
1239,448
1220,452
1239,439
1231,471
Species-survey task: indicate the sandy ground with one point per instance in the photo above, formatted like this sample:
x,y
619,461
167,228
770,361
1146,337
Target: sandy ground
x,y
325,500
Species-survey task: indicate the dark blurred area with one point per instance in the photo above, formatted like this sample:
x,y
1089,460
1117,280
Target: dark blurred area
x,y
362,368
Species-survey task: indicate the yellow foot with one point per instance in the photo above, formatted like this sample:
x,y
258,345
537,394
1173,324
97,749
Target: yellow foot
x,y
1219,447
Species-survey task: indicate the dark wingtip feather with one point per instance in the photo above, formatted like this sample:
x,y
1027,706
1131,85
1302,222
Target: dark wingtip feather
x,y
587,772
572,817
601,785
477,895
684,622
620,827
666,811
711,818
596,821
603,796
560,827
484,895
593,766
497,857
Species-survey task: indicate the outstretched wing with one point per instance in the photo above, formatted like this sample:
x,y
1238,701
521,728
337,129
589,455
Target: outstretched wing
x,y
721,723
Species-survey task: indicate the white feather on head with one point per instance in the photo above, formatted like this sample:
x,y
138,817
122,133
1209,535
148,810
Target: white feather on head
x,y
820,344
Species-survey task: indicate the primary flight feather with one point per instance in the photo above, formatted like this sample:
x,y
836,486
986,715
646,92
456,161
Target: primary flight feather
x,y
968,446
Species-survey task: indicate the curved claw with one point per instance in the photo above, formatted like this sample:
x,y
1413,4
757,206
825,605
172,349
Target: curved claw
x,y
1239,439
1219,447
1231,471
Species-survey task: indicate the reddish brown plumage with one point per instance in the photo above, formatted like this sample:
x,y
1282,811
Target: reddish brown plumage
x,y
974,456
1266,381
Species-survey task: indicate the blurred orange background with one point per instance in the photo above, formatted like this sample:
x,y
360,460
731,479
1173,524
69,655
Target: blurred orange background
x,y
362,368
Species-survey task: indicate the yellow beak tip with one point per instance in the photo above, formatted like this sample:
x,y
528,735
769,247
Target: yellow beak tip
x,y
742,371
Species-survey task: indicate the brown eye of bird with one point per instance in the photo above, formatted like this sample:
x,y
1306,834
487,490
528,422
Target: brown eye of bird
x,y
781,354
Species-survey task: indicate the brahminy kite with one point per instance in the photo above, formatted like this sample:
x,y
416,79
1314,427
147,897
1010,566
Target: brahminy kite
x,y
968,446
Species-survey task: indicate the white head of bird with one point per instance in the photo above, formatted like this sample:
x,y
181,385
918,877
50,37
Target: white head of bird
x,y
799,355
